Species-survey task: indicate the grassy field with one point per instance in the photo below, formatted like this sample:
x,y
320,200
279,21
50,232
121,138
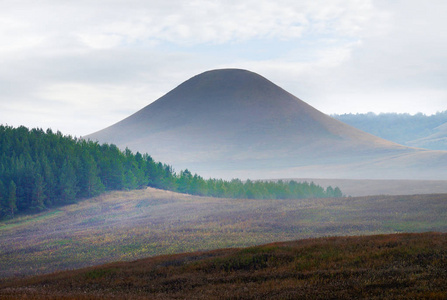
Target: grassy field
x,y
398,266
124,226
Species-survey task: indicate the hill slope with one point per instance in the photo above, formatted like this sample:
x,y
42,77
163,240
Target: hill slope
x,y
135,224
436,140
235,123
404,266
417,130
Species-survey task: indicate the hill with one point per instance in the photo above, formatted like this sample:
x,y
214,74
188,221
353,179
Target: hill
x,y
417,130
234,123
127,225
400,266
436,140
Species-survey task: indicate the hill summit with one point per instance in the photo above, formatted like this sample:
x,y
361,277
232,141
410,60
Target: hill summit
x,y
235,123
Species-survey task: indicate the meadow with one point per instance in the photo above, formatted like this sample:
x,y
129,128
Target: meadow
x,y
128,225
397,266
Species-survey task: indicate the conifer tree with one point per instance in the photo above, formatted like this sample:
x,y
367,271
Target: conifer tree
x,y
337,192
89,182
12,198
67,183
3,198
38,195
47,173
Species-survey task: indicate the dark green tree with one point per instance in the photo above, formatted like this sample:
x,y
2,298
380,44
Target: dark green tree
x,y
3,198
38,193
130,180
184,181
12,198
89,182
337,192
67,183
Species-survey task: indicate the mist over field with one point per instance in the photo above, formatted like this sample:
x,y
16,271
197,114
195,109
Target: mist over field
x,y
223,149
129,225
234,123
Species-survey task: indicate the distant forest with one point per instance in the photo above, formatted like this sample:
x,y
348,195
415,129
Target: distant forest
x,y
404,129
40,169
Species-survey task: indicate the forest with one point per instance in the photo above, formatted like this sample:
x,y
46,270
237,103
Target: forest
x,y
400,128
41,169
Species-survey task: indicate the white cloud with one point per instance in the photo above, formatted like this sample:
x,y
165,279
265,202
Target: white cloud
x,y
118,56
186,22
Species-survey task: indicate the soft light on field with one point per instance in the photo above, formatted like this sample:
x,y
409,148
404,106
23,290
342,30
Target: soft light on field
x,y
141,223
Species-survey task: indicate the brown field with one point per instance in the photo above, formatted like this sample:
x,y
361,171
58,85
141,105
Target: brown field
x,y
124,226
398,266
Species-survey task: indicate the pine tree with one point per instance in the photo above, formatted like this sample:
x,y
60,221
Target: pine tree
x,y
49,179
38,196
3,198
67,183
89,182
329,192
12,198
184,181
337,192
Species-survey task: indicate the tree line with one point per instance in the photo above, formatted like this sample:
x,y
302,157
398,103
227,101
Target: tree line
x,y
400,128
40,169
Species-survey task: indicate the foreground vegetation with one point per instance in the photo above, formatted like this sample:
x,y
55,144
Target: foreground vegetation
x,y
127,225
41,169
399,266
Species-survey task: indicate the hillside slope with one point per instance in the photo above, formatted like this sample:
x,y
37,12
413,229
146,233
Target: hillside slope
x,y
235,123
419,130
436,140
404,266
135,224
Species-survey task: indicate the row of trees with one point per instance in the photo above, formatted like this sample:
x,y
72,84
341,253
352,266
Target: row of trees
x,y
40,169
194,184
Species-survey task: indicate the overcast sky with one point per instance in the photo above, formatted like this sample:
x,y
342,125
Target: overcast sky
x,y
79,66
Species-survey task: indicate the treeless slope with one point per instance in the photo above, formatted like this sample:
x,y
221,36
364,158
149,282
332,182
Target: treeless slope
x,y
437,140
127,225
402,266
235,123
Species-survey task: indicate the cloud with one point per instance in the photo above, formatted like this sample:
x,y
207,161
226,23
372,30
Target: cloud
x,y
81,59
97,24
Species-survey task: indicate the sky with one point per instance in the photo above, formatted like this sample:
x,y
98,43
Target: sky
x,y
80,66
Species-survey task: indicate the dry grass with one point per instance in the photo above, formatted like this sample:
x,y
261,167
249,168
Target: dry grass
x,y
398,266
124,226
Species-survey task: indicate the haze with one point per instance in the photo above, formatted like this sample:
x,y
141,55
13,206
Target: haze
x,y
232,123
81,66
